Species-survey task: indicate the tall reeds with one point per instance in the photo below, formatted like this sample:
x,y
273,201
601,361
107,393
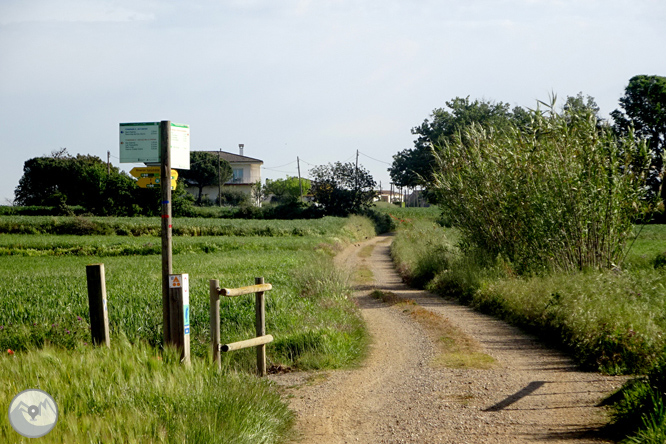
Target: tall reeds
x,y
560,193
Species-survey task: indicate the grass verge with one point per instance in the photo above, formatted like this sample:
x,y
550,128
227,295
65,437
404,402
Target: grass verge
x,y
612,320
129,393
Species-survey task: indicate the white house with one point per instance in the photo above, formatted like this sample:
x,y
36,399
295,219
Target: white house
x,y
246,172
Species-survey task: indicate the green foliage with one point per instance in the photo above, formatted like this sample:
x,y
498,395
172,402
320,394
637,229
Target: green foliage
x,y
144,226
48,303
638,408
342,189
413,167
233,198
204,169
644,113
102,393
287,190
608,320
63,181
560,193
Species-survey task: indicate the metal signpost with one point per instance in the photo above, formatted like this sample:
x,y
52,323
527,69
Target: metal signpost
x,y
161,145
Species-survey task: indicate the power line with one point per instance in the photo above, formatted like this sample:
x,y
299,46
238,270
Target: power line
x,y
279,171
387,163
279,166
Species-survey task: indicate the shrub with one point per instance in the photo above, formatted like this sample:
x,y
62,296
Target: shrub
x,y
559,194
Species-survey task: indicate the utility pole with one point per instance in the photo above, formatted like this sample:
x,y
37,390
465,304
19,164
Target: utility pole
x,y
300,184
108,163
356,173
356,177
219,180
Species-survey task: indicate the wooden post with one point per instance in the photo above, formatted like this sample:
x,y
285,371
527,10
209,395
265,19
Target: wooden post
x,y
260,311
179,295
167,259
215,321
99,316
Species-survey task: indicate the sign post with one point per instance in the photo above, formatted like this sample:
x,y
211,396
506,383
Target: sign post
x,y
162,146
179,298
167,258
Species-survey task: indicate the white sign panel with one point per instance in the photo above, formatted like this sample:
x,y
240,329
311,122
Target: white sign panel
x,y
139,142
180,146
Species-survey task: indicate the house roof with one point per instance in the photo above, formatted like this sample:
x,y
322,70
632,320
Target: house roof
x,y
235,158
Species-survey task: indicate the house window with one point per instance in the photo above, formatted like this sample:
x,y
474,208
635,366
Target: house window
x,y
238,175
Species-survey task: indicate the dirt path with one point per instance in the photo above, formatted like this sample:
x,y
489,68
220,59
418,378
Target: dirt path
x,y
400,394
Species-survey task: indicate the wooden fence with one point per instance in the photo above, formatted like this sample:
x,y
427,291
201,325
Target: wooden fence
x,y
259,341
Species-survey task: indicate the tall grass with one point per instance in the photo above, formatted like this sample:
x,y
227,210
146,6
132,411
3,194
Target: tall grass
x,y
560,194
610,321
130,393
43,299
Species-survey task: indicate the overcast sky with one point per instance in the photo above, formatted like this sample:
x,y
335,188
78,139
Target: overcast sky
x,y
315,79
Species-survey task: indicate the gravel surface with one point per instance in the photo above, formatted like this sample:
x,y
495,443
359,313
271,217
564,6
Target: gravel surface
x,y
533,394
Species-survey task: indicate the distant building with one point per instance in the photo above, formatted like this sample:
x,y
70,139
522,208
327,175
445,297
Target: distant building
x,y
246,172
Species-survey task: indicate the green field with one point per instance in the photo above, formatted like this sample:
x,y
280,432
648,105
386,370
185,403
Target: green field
x,y
44,311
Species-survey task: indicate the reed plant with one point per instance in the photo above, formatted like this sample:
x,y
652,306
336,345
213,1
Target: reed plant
x,y
560,193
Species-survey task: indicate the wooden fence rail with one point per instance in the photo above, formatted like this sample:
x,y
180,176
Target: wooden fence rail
x,y
259,341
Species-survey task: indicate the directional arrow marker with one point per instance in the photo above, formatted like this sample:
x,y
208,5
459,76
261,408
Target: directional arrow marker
x,y
154,171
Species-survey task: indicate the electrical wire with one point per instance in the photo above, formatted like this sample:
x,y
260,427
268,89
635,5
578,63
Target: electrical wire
x,y
279,166
387,163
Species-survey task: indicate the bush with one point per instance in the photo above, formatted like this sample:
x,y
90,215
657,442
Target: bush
x,y
233,198
559,194
638,407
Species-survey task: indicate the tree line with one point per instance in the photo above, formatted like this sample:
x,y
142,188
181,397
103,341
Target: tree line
x,y
544,188
642,112
64,183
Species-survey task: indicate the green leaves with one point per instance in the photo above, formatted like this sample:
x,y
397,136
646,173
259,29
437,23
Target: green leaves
x,y
558,193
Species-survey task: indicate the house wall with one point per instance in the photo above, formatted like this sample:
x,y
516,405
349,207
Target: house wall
x,y
251,173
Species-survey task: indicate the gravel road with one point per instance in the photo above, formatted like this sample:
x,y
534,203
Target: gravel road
x,y
532,393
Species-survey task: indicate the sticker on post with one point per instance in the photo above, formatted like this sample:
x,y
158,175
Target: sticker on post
x,y
175,281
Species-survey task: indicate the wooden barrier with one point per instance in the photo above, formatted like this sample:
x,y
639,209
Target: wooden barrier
x,y
260,340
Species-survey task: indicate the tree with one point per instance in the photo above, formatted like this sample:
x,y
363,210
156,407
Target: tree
x,y
287,190
414,166
342,189
644,112
63,180
204,171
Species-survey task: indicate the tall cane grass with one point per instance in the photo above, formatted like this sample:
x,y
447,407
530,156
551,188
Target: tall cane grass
x,y
560,194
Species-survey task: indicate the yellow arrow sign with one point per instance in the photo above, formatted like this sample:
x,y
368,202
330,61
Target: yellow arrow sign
x,y
153,182
143,172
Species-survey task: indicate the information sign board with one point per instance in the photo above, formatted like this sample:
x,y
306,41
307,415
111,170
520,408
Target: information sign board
x,y
139,142
180,146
